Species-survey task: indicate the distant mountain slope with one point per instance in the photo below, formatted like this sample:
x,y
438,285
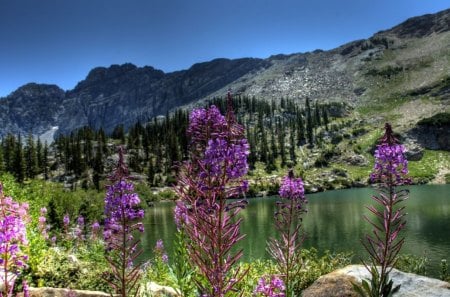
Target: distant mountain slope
x,y
411,60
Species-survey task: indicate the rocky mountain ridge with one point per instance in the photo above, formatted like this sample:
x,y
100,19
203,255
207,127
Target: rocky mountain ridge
x,y
410,60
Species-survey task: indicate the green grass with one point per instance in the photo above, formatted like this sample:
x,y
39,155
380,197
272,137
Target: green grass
x,y
380,104
427,168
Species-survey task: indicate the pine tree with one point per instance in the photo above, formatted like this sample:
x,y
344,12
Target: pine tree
x,y
317,118
98,167
19,162
292,155
309,123
264,149
151,173
273,145
119,133
39,154
300,130
326,121
281,142
9,149
31,159
45,165
252,143
2,164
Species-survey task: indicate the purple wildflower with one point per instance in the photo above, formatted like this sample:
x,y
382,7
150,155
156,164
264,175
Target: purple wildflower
x,y
384,244
66,222
42,226
270,288
391,165
80,221
159,245
123,217
214,172
180,214
165,258
95,229
292,188
286,249
25,289
13,220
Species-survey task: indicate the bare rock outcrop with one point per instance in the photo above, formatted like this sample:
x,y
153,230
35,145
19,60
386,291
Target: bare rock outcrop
x,y
339,283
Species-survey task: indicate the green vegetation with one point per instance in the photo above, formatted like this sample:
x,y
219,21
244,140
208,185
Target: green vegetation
x,y
313,266
426,169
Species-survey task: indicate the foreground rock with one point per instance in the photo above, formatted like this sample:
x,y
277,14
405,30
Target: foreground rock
x,y
152,289
58,292
339,283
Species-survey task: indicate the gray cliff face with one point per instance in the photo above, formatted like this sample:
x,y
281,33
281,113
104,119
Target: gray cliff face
x,y
122,94
33,108
407,60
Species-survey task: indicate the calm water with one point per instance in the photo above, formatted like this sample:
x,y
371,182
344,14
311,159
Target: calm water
x,y
333,222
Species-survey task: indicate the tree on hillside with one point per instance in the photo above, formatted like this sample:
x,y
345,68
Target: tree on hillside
x,y
309,123
31,158
45,166
19,162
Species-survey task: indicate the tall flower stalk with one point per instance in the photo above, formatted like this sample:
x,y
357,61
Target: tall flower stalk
x,y
384,244
213,173
288,218
123,218
13,219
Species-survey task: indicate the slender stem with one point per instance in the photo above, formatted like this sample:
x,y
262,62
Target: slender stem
x,y
124,250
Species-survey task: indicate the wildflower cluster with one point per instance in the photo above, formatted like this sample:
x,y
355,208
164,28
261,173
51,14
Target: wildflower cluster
x,y
292,188
42,223
123,217
121,213
160,251
273,287
219,151
391,165
384,243
214,173
13,219
95,229
286,249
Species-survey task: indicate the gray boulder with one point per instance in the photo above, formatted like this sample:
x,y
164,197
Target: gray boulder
x,y
339,283
59,292
357,160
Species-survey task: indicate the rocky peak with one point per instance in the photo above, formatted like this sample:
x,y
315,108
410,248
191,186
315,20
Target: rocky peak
x,y
35,91
32,108
115,74
421,26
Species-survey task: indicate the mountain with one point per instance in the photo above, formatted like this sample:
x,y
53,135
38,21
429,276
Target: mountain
x,y
405,68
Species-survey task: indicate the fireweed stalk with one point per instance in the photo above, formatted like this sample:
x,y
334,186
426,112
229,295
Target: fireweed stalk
x,y
384,244
13,219
123,217
288,219
213,173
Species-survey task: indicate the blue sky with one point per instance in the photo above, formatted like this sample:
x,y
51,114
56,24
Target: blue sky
x,y
59,41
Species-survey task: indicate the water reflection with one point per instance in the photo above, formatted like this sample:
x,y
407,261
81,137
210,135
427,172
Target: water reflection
x,y
334,221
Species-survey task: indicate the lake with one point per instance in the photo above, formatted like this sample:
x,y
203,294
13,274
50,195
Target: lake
x,y
334,222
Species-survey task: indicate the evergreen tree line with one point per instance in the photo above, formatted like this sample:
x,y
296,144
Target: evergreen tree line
x,y
24,158
274,130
